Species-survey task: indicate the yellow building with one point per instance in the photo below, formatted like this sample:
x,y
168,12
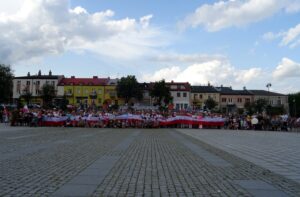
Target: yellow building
x,y
110,93
85,91
89,91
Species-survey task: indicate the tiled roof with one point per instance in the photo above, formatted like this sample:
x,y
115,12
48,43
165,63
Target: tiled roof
x,y
265,93
203,89
83,81
226,90
186,85
243,92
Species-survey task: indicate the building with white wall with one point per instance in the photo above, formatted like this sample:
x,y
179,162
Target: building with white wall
x,y
33,84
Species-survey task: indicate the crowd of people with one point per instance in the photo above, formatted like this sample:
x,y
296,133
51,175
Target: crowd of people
x,y
129,118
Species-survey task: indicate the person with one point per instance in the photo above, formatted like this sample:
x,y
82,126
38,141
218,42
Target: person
x,y
1,116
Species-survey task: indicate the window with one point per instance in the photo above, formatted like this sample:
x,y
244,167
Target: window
x,y
247,100
99,101
78,90
28,83
230,100
223,100
195,96
184,94
99,91
239,100
182,87
200,96
177,106
178,94
279,101
53,83
185,106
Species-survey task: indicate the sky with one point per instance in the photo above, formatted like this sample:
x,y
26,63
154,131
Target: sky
x,y
238,43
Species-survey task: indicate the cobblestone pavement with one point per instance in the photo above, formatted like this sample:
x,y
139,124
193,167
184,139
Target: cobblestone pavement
x,y
276,151
129,162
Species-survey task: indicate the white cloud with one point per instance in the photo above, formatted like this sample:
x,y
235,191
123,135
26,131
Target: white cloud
x,y
187,58
293,6
214,71
41,28
10,7
270,36
287,68
234,13
291,38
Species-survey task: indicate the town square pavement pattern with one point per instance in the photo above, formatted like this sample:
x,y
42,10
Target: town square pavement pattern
x,y
147,162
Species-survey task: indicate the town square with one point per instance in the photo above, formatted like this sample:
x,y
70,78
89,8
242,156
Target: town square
x,y
155,98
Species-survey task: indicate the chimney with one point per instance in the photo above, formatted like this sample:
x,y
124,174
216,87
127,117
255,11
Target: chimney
x,y
95,77
50,73
208,84
28,74
72,77
221,85
40,73
244,87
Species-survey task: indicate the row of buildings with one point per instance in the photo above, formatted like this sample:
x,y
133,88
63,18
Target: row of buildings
x,y
102,91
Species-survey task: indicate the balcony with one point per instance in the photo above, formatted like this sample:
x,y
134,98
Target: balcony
x,y
93,95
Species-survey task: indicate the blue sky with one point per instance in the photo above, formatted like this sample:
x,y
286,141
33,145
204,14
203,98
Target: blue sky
x,y
236,43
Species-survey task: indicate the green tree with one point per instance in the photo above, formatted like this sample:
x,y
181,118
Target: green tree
x,y
47,94
294,104
249,107
160,92
260,105
210,103
275,110
6,83
128,88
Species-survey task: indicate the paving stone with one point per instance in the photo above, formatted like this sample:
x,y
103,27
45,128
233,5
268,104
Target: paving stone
x,y
143,162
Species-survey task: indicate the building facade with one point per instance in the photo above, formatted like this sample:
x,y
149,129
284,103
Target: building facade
x,y
273,98
83,91
199,95
110,93
181,94
32,84
233,100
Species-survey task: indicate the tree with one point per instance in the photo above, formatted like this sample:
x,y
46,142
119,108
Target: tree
x,y
210,103
161,93
47,94
294,104
6,83
260,105
249,107
128,88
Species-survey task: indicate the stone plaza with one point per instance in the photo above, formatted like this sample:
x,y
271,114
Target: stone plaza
x,y
147,162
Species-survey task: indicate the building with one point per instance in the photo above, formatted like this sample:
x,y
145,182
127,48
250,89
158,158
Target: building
x,y
83,91
199,94
180,91
32,84
273,98
233,100
110,93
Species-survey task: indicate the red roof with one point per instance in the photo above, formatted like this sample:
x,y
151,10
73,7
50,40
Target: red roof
x,y
95,81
